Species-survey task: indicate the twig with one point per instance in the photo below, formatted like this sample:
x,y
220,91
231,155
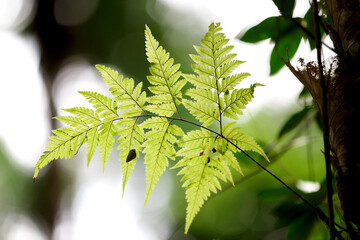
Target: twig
x,y
330,190
310,34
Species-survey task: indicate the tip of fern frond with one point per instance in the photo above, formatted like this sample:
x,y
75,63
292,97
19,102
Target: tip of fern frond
x,y
185,234
99,66
34,179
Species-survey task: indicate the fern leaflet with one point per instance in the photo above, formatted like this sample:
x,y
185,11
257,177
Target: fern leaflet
x,y
158,147
164,78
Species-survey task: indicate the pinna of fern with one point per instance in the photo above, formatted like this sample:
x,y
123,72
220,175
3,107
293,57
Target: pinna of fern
x,y
207,157
147,124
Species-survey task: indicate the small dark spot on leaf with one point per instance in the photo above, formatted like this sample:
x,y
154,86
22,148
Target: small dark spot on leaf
x,y
131,155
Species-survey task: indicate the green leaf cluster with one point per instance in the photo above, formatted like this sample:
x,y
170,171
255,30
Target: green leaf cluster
x,y
148,124
285,31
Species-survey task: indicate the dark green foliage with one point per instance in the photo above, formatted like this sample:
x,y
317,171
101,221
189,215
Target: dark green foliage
x,y
285,31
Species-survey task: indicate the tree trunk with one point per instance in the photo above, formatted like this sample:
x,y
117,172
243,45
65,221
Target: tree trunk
x,y
343,97
344,107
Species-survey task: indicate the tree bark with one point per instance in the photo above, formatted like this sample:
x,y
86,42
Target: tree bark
x,y
343,97
344,107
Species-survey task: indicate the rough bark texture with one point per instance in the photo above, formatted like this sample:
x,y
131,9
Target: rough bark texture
x,y
343,96
344,106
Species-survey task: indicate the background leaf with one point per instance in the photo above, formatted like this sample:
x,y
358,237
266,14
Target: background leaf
x,y
293,121
286,7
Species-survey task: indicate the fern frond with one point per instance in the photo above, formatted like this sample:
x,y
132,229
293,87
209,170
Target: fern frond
x,y
229,83
203,95
92,141
201,174
206,156
128,97
74,122
213,62
200,81
105,107
206,160
192,144
63,144
236,101
165,109
131,137
242,140
86,115
164,76
158,147
106,140
231,161
206,114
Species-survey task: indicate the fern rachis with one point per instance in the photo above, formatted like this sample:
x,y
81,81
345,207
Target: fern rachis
x,y
147,124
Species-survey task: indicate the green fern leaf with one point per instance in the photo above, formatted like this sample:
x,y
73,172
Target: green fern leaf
x,y
86,121
128,98
131,137
92,141
202,168
106,141
165,109
200,178
63,144
242,140
105,107
206,114
86,115
74,122
193,144
229,83
200,81
203,95
164,76
158,147
231,161
236,101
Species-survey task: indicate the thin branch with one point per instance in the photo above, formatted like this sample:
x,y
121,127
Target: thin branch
x,y
330,190
310,34
320,213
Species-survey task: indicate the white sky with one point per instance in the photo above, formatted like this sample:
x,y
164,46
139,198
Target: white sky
x,y
98,204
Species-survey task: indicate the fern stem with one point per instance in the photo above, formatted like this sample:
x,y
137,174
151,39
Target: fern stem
x,y
218,93
216,79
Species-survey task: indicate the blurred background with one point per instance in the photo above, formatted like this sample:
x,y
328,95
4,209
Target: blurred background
x,y
48,49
